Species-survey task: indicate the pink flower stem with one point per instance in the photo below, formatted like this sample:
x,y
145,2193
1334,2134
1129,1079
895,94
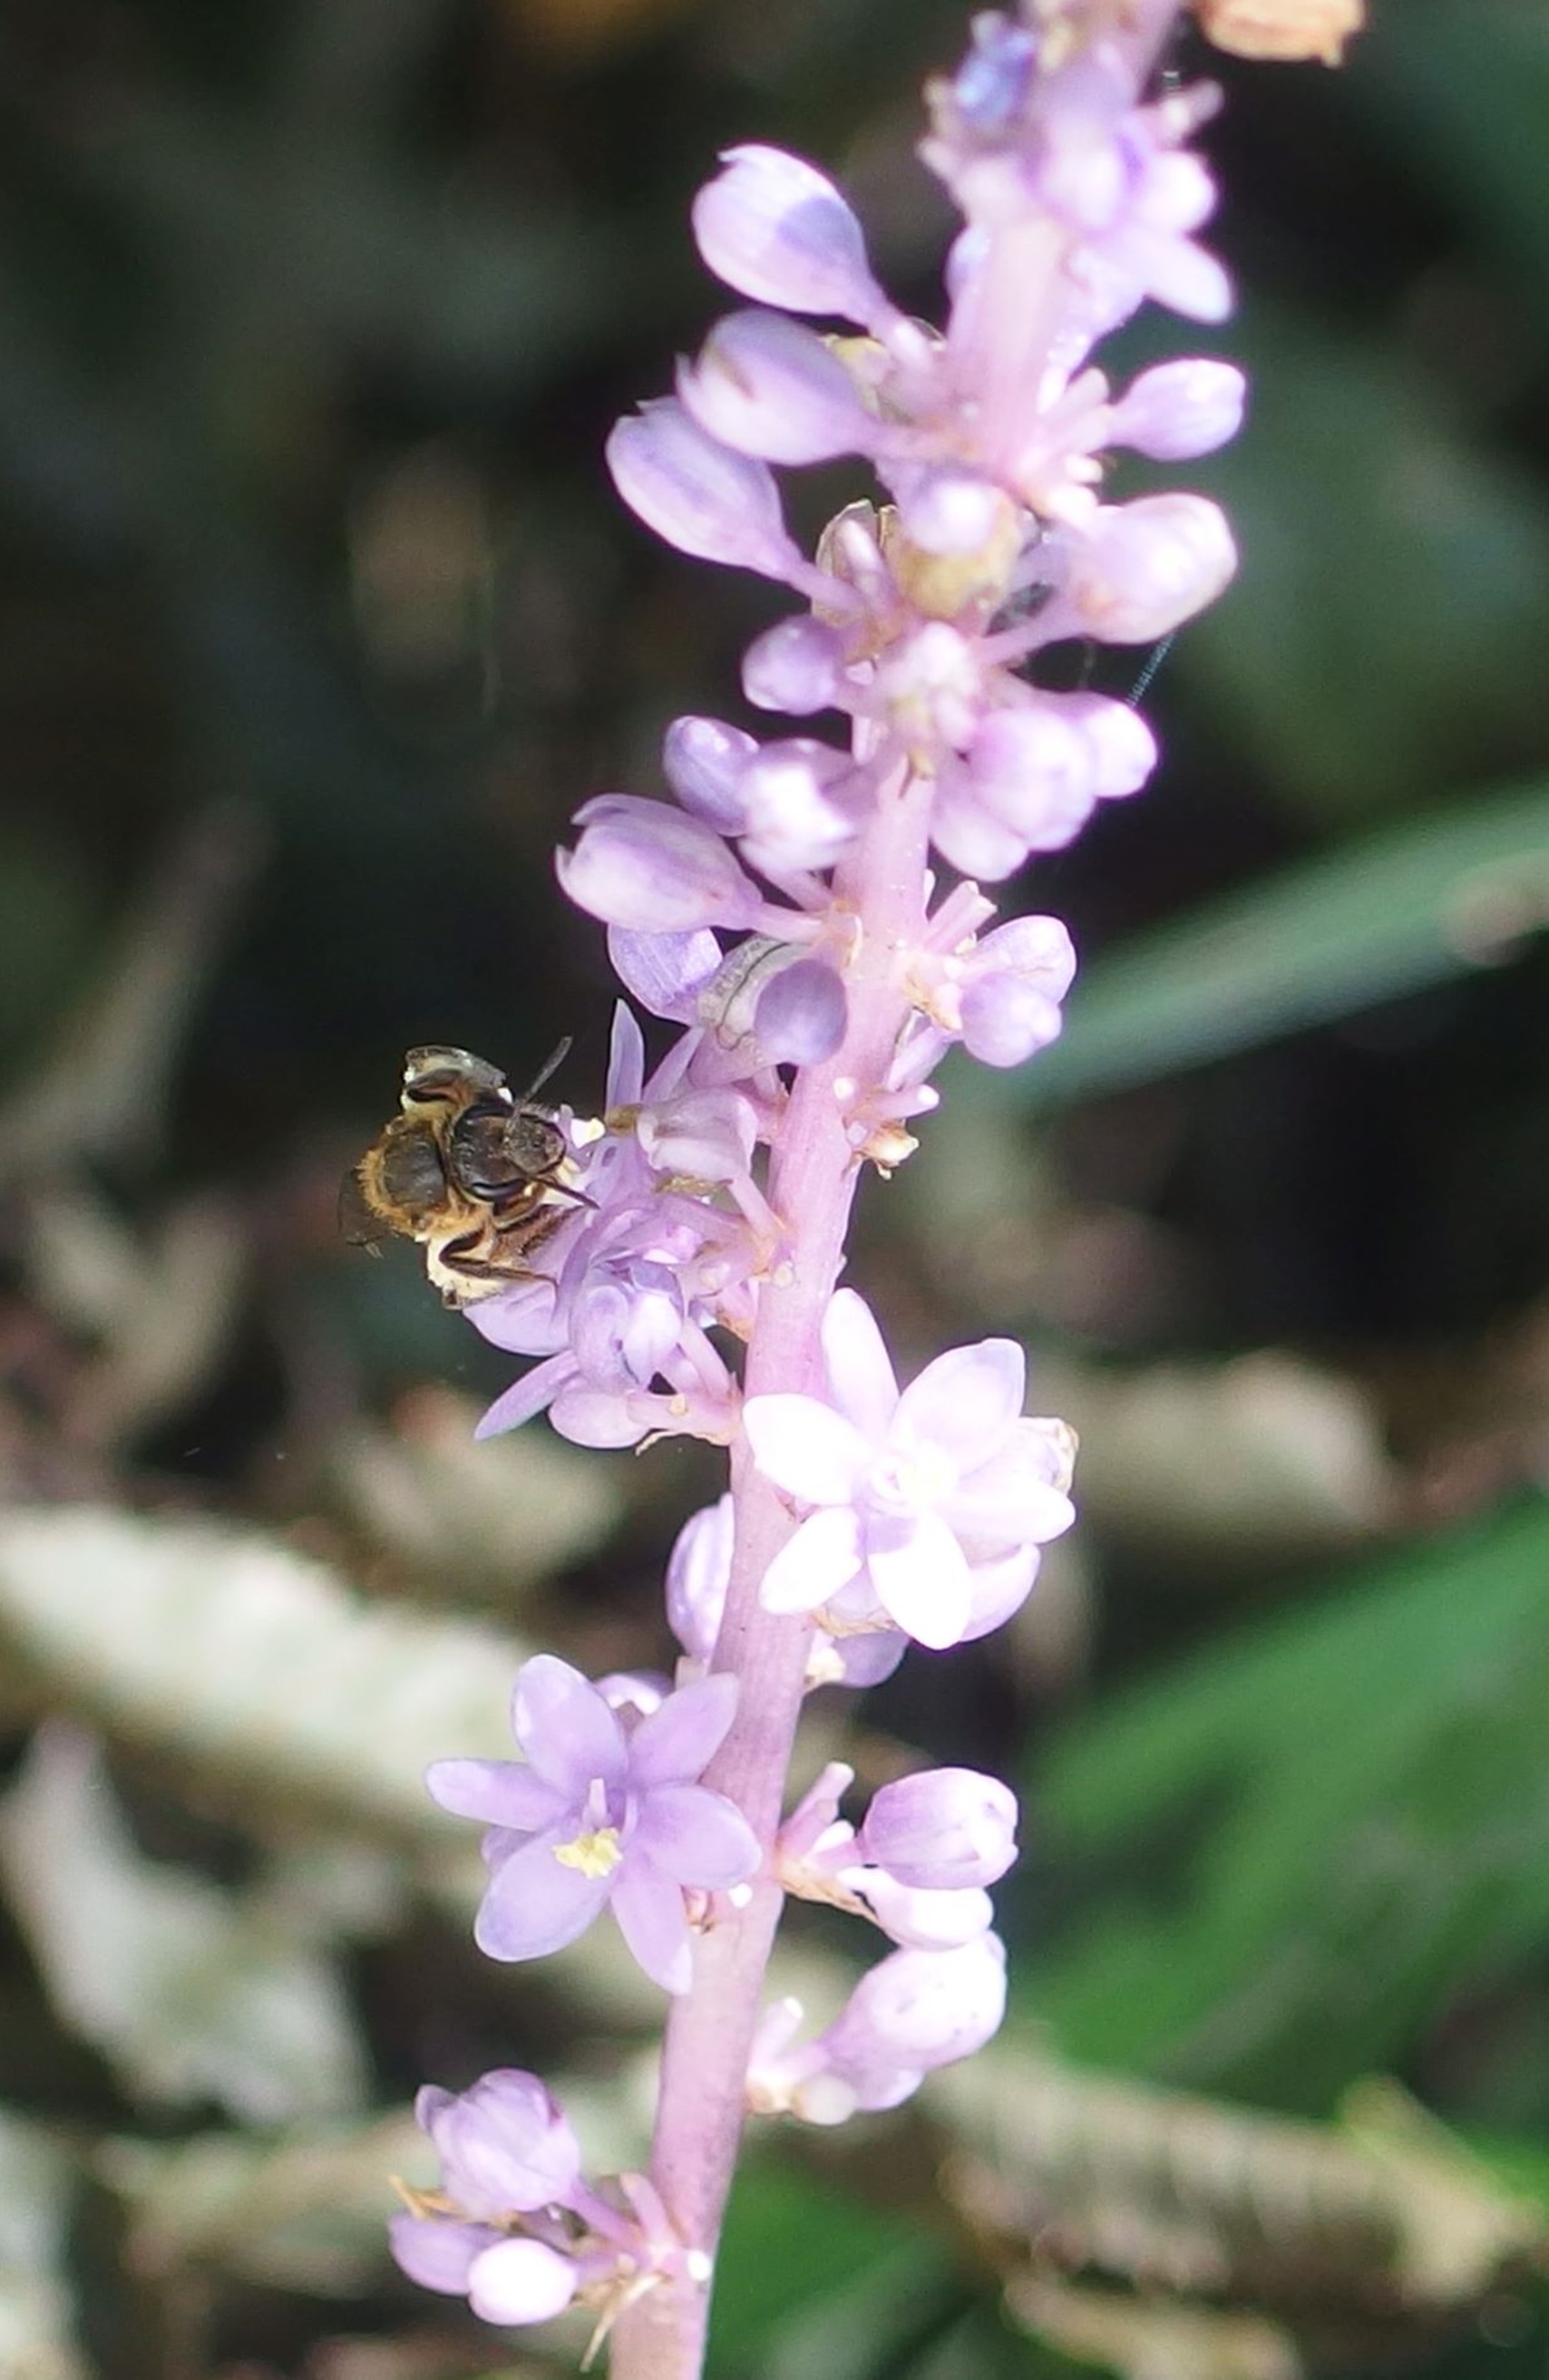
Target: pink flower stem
x,y
814,1174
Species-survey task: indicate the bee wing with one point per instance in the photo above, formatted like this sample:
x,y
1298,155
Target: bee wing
x,y
359,1223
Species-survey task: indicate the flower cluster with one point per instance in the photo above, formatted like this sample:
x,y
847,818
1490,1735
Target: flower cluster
x,y
806,913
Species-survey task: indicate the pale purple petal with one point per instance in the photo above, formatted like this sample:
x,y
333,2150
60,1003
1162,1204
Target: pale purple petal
x,y
534,1394
697,494
523,1319
534,1904
664,972
1008,1020
921,1575
941,1828
649,1908
674,1745
816,1564
861,1375
775,228
501,1792
806,1448
1179,410
566,1728
703,1136
437,2254
964,1402
796,666
703,760
506,2145
922,1919
771,387
866,1661
996,1589
642,865
1138,570
599,1417
520,2281
698,1571
696,1836
626,1056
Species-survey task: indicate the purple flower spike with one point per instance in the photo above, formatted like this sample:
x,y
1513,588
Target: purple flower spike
x,y
776,229
910,1490
595,1816
506,2145
941,1829
770,387
697,494
643,866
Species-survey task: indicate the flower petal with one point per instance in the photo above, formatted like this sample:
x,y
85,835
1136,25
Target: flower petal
x,y
696,1836
966,1399
530,1395
920,1576
436,2253
814,1566
860,1373
649,1908
673,1745
626,1056
535,1904
566,1728
501,1792
806,1448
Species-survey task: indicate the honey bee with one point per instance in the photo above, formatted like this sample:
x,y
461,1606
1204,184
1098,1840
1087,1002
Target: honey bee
x,y
477,1176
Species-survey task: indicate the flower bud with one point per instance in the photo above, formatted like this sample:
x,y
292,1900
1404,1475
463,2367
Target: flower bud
x,y
942,1829
1180,409
642,865
1139,570
918,2009
697,494
798,665
1034,770
1012,990
793,819
920,1919
505,2144
697,1570
775,228
801,1015
520,2281
703,760
767,387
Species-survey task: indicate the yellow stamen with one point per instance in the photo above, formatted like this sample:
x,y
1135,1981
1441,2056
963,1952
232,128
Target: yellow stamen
x,y
594,1853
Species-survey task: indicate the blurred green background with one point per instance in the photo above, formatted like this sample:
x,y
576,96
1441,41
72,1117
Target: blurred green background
x,y
317,620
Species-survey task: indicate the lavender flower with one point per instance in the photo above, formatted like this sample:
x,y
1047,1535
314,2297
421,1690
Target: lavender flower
x,y
506,2152
910,1490
596,1817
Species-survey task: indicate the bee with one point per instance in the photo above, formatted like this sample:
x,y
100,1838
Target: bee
x,y
477,1176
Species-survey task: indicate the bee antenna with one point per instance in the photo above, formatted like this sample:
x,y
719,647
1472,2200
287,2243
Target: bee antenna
x,y
551,1065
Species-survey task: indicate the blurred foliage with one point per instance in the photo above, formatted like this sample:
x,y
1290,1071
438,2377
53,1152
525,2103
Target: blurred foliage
x,y
319,619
